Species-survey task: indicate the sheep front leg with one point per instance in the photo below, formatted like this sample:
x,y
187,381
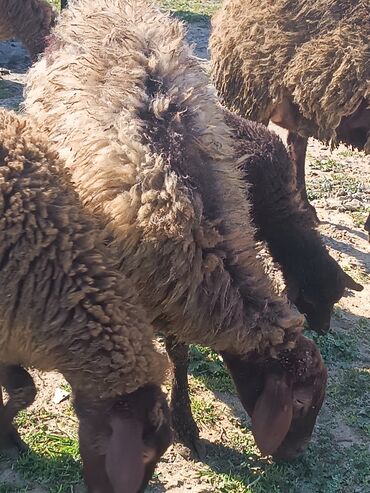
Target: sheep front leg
x,y
297,147
22,391
185,428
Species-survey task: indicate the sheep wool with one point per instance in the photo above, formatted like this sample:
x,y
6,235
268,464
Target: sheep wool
x,y
30,21
63,307
131,112
318,52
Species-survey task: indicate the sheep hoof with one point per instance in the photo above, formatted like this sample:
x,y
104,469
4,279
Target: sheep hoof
x,y
11,442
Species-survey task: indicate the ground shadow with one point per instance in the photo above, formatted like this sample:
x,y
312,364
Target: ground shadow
x,y
186,15
14,57
37,473
342,227
11,94
349,249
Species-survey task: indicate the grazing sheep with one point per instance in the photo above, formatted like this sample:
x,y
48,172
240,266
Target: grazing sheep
x,y
303,65
30,21
315,281
64,308
140,128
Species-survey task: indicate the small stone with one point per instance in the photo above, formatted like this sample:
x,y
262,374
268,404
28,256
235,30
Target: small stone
x,y
60,395
352,205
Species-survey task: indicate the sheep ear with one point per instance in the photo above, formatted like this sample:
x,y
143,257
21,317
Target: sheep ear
x,y
272,414
124,457
351,283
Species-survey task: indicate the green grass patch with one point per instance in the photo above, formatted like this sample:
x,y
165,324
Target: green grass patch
x,y
350,395
204,411
208,368
325,468
192,10
326,165
336,347
359,218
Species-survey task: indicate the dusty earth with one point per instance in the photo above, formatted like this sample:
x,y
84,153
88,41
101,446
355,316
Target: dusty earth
x,y
340,184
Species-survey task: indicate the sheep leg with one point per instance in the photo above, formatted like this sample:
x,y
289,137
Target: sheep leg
x,y
297,147
185,428
22,391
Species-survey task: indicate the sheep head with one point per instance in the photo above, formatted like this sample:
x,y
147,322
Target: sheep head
x,y
122,439
316,290
282,396
354,129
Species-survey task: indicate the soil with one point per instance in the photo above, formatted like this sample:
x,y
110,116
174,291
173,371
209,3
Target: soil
x,y
347,243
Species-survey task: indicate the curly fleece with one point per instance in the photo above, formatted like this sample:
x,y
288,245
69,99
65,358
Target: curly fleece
x,y
133,115
317,53
30,21
63,307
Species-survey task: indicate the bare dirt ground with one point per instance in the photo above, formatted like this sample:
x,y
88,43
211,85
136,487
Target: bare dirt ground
x,y
339,185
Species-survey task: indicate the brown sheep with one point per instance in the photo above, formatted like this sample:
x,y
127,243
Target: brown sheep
x,y
64,308
314,280
30,21
303,65
131,111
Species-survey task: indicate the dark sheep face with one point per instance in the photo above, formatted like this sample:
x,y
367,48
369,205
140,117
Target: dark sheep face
x,y
122,440
282,396
316,293
354,129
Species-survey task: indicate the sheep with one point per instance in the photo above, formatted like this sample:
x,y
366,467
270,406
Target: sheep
x,y
28,20
314,280
303,65
132,114
64,308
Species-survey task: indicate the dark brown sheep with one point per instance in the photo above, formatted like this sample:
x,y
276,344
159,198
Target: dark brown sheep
x,y
132,112
303,65
314,280
282,396
30,21
64,308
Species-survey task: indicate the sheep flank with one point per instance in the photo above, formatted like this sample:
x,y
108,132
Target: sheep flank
x,y
63,306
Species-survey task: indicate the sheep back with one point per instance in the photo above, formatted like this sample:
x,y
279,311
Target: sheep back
x,y
315,53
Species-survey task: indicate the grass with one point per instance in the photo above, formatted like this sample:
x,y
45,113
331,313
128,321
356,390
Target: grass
x,y
326,164
206,367
192,10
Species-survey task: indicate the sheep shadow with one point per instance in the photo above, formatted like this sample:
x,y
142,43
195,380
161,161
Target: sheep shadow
x,y
36,473
198,29
11,94
14,57
341,246
342,227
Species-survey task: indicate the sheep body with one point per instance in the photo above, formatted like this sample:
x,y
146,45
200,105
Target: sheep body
x,y
316,54
30,21
151,153
63,306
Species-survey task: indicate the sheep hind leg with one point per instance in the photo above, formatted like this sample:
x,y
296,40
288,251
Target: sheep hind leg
x,y
186,430
22,391
297,146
